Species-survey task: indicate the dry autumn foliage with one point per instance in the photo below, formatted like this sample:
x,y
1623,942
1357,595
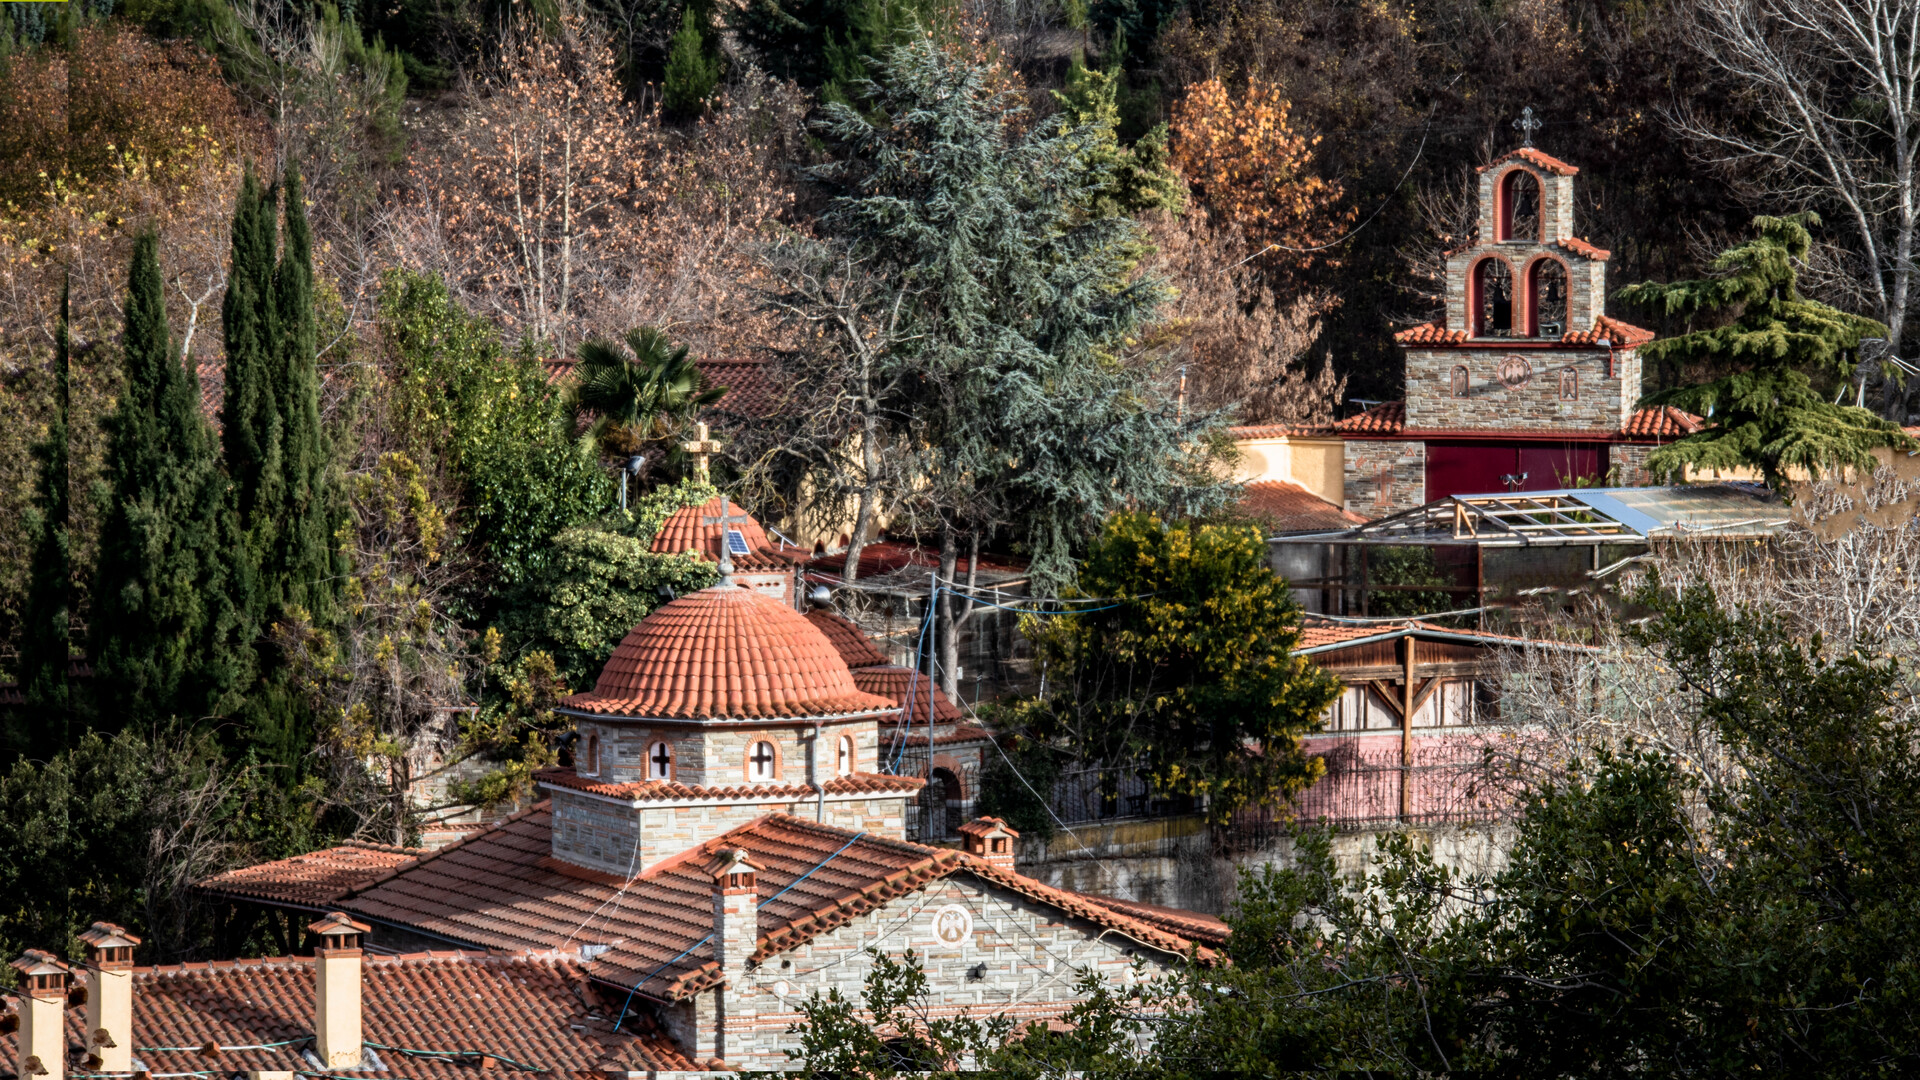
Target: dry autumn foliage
x,y
1246,164
559,208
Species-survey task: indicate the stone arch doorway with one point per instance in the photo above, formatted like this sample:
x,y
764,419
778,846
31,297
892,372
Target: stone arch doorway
x,y
939,805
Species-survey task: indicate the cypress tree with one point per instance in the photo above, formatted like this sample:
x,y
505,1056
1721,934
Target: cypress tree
x,y
1766,413
159,551
44,651
302,573
249,413
691,72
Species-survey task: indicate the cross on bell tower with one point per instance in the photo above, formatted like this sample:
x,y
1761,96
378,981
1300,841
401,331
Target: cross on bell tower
x,y
702,448
1527,125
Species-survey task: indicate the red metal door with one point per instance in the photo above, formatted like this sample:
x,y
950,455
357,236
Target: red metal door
x,y
1481,468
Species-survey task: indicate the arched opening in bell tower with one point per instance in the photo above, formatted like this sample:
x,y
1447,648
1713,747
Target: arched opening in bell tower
x,y
1492,298
1519,216
1547,315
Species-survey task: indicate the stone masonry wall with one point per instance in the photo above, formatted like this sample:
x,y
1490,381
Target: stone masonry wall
x,y
1020,959
600,835
1629,464
1602,401
715,754
1385,476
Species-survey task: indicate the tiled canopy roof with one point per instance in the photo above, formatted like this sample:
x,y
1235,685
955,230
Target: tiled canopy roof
x,y
1431,333
848,639
1206,929
502,890
699,529
1583,249
525,1014
1622,335
1386,418
1664,422
725,653
910,690
1276,431
755,390
889,556
1533,157
1288,507
317,878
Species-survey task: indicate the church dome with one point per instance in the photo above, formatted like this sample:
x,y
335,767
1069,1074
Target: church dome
x,y
726,653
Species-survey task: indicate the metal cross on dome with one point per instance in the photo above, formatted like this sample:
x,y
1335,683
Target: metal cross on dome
x,y
1527,125
727,520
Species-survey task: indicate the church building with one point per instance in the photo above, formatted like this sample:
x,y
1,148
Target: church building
x,y
728,842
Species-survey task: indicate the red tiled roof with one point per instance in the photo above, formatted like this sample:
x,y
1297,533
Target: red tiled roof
x,y
1313,635
1583,249
910,690
1288,507
1663,422
1432,333
1386,418
848,640
1622,335
1206,929
502,890
887,556
916,738
755,390
667,790
1533,157
317,878
1277,431
698,529
526,1013
725,653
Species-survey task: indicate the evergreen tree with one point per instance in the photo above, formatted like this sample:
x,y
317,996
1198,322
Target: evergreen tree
x,y
1766,414
303,571
826,43
1135,179
249,414
44,651
692,69
160,566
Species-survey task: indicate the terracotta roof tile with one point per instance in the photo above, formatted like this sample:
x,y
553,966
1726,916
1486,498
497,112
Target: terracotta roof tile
x,y
986,825
1583,249
526,1013
1662,423
1533,156
699,529
1194,925
851,642
501,890
910,690
755,389
1316,634
1386,418
667,790
1278,431
916,737
1288,507
887,556
725,653
317,878
1432,333
1622,335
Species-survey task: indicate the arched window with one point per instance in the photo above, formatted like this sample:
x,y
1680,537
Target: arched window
x,y
1492,299
591,759
1547,299
1462,383
1519,207
843,756
762,762
659,761
1569,385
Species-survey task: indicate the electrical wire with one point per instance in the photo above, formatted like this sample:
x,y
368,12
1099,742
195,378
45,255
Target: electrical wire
x,y
1384,203
453,1055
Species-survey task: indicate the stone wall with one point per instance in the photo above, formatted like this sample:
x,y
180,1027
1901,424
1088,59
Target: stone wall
x,y
1019,959
1385,476
1604,391
715,754
1628,464
604,835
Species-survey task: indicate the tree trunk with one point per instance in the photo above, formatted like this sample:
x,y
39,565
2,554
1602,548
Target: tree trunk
x,y
950,620
869,494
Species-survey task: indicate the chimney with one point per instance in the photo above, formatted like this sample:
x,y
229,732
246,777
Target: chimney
x,y
336,991
43,1015
110,997
990,839
736,903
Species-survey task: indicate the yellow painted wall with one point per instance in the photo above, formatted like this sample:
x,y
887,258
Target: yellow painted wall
x,y
1317,464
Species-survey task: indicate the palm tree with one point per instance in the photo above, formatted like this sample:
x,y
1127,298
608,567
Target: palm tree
x,y
638,397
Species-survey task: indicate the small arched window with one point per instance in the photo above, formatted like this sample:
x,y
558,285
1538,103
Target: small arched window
x,y
1569,385
660,761
591,759
762,761
1492,298
1462,383
1547,299
1519,206
843,756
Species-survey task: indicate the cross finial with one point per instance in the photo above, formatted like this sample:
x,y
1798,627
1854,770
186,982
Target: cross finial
x,y
1527,125
701,448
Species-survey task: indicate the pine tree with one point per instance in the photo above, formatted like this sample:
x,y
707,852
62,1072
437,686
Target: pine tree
x,y
44,650
302,573
1766,414
159,552
692,71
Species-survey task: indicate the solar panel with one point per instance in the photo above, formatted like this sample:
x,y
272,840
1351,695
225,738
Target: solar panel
x,y
737,543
